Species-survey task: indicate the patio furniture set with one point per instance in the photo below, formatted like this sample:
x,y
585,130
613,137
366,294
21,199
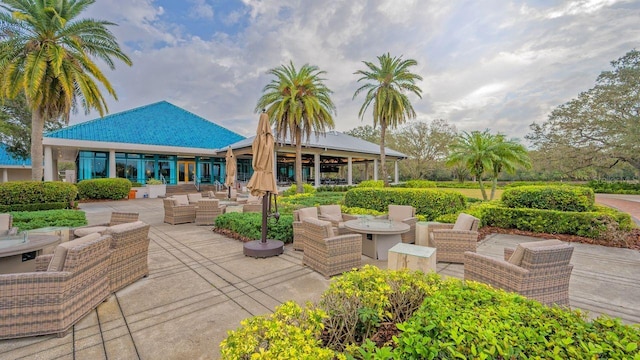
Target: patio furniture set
x,y
75,279
194,208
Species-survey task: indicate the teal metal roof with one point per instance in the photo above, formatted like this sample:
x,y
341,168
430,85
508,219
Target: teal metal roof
x,y
7,159
161,123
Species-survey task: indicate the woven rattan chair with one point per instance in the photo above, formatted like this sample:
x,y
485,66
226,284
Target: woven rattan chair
x,y
328,254
333,213
129,252
452,240
178,214
539,270
405,214
194,198
208,210
116,219
298,228
59,293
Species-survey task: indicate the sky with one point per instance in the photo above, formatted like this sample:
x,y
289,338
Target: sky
x,y
486,64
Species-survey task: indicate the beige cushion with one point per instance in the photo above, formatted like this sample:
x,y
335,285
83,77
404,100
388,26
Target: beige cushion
x,y
331,212
400,212
88,230
254,199
124,227
5,219
193,198
464,222
60,255
181,199
308,213
518,254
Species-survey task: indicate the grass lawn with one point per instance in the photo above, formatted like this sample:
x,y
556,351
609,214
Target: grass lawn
x,y
475,193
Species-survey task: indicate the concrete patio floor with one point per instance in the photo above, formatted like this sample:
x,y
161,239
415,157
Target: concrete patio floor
x,y
201,285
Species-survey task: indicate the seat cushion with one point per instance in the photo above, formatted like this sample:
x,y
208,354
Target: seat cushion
x,y
308,213
60,254
464,222
88,230
181,199
518,254
400,212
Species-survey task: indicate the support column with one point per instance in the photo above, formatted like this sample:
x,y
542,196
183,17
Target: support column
x,y
48,164
350,170
395,164
375,169
316,170
5,175
275,165
112,163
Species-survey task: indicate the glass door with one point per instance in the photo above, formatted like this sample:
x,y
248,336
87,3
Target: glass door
x,y
186,171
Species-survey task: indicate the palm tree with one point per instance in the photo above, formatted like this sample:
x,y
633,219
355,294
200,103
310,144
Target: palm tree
x,y
385,87
509,155
47,53
474,150
299,104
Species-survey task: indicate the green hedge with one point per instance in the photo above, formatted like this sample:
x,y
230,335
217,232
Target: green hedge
x,y
430,203
114,189
27,220
306,189
561,198
423,184
371,184
591,224
614,187
250,225
36,195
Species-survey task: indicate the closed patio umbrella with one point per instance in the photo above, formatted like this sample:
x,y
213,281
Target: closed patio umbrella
x,y
263,183
231,169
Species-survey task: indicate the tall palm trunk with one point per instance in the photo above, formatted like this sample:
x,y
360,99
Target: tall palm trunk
x,y
383,168
37,128
482,190
299,188
494,185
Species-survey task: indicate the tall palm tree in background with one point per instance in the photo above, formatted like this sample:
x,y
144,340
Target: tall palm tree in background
x,y
298,103
509,156
474,150
386,85
47,53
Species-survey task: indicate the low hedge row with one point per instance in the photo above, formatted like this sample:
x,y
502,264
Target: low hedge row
x,y
250,225
429,203
371,184
423,184
614,187
561,198
36,195
442,319
27,220
113,189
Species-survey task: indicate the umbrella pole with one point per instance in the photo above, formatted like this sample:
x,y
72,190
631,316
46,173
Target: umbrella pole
x,y
265,207
263,248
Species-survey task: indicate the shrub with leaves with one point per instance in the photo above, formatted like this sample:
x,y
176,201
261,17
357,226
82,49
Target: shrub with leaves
x,y
422,184
36,195
371,184
114,189
28,220
292,190
249,225
561,198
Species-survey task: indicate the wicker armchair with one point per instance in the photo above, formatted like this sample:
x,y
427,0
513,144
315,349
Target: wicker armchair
x,y
6,225
539,270
116,219
452,240
194,198
298,229
224,195
175,213
405,214
65,287
129,253
208,210
333,213
328,254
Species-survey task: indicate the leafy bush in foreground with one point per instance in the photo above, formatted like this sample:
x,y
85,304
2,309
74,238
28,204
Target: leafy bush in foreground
x,y
36,195
250,225
561,198
114,189
28,220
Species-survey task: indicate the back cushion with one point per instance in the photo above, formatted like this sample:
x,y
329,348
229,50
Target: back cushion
x,y
518,254
332,212
60,255
464,222
181,199
308,213
254,199
400,212
327,229
193,198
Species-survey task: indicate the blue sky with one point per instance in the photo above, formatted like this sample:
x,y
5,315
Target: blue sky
x,y
493,64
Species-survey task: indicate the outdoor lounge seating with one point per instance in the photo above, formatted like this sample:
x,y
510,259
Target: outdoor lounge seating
x,y
224,195
298,229
452,240
116,218
252,204
405,214
6,225
208,210
177,210
539,270
129,252
333,213
64,288
329,254
194,197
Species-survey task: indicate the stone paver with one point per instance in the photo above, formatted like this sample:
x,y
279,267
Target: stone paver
x,y
200,286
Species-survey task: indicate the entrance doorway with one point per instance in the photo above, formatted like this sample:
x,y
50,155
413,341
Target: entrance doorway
x,y
186,171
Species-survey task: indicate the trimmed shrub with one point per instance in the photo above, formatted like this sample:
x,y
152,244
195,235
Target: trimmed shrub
x,y
371,184
561,198
422,184
614,187
335,188
249,225
429,203
306,188
28,220
114,189
36,195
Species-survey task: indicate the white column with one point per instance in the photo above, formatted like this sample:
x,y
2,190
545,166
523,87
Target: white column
x,y
5,175
396,171
112,163
350,170
48,164
316,170
375,169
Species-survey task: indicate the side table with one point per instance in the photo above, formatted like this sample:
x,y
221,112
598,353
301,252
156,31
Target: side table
x,y
412,257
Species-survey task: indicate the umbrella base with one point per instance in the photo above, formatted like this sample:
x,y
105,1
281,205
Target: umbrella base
x,y
259,249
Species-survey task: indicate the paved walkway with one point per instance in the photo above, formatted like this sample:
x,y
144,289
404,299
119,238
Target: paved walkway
x,y
627,203
200,285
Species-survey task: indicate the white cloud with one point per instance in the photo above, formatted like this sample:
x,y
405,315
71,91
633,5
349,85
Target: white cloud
x,y
200,10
